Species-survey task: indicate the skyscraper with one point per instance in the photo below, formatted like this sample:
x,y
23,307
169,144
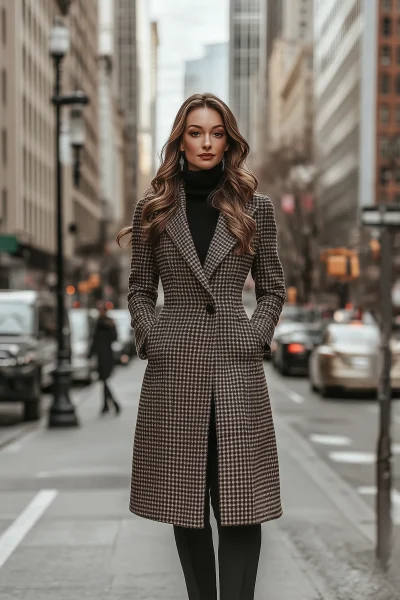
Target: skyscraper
x,y
27,133
340,113
127,83
247,64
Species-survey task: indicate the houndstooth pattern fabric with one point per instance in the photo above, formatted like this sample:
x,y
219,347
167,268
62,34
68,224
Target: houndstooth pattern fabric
x,y
203,343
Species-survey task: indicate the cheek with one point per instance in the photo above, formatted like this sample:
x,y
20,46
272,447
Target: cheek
x,y
191,143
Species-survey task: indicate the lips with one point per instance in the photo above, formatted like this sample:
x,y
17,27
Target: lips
x,y
207,156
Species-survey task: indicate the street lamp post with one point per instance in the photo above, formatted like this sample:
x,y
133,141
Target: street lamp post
x,y
62,411
387,218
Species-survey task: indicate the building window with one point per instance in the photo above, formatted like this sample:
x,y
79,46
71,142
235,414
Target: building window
x,y
386,55
386,27
3,26
386,5
384,146
4,208
384,113
4,86
4,147
385,83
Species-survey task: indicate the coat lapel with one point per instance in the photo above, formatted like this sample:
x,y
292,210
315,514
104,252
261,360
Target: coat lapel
x,y
221,243
178,229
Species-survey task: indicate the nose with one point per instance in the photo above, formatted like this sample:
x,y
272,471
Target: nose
x,y
207,142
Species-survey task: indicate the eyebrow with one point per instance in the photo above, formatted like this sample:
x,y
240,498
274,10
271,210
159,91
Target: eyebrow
x,y
200,127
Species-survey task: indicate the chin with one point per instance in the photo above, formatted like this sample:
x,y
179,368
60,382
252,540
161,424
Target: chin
x,y
206,165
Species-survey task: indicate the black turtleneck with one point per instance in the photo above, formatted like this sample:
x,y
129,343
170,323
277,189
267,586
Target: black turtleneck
x,y
201,215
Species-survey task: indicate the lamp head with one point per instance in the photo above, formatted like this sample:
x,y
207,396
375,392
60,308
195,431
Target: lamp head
x,y
59,39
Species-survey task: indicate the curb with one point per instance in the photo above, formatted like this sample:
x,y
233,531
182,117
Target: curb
x,y
25,429
339,492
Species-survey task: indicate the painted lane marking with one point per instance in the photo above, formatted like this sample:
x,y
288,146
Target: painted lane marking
x,y
295,397
16,532
370,490
353,457
330,440
292,395
359,458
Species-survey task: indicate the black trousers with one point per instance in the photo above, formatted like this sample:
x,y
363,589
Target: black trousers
x,y
238,548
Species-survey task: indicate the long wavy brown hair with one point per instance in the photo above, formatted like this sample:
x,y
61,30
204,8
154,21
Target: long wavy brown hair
x,y
235,189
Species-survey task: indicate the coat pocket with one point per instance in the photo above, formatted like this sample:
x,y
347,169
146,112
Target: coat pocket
x,y
243,319
153,339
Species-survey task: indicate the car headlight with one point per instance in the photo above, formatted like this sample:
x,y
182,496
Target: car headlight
x,y
28,359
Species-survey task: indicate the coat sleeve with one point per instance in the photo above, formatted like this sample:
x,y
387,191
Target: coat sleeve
x,y
268,276
143,284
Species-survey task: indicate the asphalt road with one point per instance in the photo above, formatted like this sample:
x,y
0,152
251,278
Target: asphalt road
x,y
65,529
343,431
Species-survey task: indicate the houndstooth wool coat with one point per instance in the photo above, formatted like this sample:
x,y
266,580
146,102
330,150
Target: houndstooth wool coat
x,y
201,345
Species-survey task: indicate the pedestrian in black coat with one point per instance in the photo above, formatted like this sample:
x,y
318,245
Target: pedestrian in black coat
x,y
105,334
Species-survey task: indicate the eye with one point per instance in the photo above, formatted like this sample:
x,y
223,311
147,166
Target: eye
x,y
219,134
194,133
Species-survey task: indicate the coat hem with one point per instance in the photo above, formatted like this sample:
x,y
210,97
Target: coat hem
x,y
178,523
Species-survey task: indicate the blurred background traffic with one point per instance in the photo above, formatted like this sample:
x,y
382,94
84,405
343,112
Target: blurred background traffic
x,y
315,86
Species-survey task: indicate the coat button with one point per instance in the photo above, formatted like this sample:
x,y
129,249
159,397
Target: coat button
x,y
210,309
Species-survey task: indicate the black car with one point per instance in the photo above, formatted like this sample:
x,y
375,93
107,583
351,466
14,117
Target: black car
x,y
28,347
293,349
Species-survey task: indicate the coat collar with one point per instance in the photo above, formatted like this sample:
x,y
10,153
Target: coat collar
x,y
223,240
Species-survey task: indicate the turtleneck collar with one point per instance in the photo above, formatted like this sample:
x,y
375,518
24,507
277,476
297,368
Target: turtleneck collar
x,y
200,184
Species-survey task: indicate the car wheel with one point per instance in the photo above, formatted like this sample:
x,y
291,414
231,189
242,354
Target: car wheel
x,y
32,410
285,370
324,391
32,407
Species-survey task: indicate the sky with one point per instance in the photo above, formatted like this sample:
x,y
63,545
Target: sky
x,y
184,27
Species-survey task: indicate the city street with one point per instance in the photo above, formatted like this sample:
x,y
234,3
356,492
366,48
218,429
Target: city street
x,y
66,532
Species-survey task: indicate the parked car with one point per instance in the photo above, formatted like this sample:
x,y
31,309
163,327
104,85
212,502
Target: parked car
x,y
82,323
124,348
348,359
28,347
281,329
293,348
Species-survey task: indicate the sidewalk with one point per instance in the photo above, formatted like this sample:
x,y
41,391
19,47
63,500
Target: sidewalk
x,y
80,541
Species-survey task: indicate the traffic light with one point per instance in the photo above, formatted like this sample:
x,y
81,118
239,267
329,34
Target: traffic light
x,y
341,263
375,248
291,294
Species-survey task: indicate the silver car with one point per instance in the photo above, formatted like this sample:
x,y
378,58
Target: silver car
x,y
349,359
81,325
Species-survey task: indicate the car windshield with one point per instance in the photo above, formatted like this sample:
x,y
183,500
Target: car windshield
x,y
315,335
355,334
300,314
79,326
16,318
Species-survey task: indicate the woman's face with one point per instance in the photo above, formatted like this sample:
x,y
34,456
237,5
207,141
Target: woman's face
x,y
204,140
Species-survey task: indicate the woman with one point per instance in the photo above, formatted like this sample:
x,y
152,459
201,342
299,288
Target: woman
x,y
204,426
105,334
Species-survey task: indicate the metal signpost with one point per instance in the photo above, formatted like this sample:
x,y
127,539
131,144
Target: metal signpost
x,y
387,218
